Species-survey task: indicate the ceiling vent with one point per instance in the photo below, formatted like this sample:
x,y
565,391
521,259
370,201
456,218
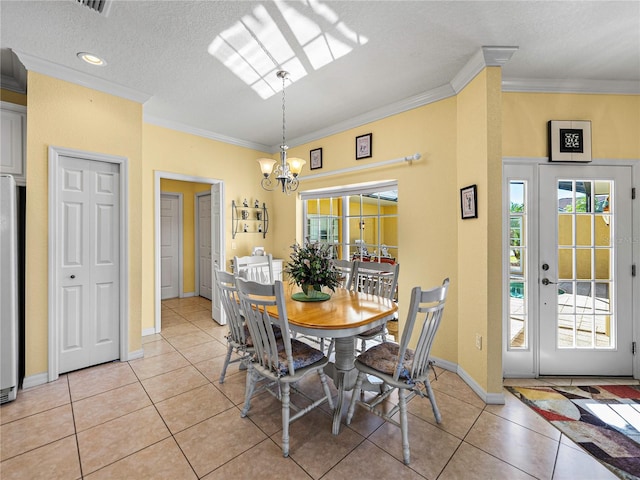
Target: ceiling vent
x,y
100,6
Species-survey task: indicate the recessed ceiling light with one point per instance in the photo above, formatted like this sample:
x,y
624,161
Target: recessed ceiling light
x,y
91,59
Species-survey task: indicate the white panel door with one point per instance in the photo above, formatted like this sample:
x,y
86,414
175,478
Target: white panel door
x,y
169,246
217,243
88,266
586,325
204,245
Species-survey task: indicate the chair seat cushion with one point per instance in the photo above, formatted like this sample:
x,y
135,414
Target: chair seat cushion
x,y
383,358
372,332
249,341
303,356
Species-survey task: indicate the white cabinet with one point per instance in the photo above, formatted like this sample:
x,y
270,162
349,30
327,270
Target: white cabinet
x,y
13,122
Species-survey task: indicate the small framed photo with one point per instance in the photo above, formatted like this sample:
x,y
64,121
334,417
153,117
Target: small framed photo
x,y
363,146
315,158
469,202
569,141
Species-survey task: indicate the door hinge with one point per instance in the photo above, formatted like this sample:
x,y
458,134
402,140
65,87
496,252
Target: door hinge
x,y
633,193
633,270
633,348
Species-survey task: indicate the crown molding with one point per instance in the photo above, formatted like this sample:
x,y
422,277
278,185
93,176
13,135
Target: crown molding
x,y
13,84
40,65
485,57
542,85
181,127
431,96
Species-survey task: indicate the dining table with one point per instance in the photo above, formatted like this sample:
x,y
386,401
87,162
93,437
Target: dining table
x,y
344,315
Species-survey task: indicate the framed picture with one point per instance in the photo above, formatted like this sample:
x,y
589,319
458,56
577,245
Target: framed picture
x,y
363,146
469,202
315,157
569,141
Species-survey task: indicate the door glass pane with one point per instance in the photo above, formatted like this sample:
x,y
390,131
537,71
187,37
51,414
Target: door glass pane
x,y
518,324
585,319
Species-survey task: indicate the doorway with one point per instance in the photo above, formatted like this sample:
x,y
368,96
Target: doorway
x,y
88,286
568,270
217,237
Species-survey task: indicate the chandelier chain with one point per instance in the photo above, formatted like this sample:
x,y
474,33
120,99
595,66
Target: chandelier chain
x,y
284,76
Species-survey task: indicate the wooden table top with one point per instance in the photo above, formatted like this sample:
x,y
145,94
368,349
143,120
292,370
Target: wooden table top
x,y
345,313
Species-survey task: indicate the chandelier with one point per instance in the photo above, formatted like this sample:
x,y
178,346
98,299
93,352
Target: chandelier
x,y
286,172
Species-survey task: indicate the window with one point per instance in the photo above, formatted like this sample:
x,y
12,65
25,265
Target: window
x,y
360,221
518,285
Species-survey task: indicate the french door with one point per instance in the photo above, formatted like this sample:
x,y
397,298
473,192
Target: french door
x,y
584,271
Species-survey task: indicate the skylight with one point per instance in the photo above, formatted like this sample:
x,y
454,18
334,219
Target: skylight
x,y
254,48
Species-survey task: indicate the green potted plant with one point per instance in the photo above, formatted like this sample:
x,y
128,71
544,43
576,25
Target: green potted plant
x,y
311,267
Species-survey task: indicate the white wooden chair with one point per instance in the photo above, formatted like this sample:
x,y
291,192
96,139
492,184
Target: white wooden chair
x,y
282,360
345,267
257,268
377,279
238,338
401,368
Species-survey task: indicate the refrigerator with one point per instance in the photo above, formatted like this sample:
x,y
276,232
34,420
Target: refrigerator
x,y
8,289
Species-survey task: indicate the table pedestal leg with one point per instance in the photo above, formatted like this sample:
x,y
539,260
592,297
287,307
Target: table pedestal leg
x,y
344,375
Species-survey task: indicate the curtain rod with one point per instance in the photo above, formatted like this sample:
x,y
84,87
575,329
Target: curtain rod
x,y
410,158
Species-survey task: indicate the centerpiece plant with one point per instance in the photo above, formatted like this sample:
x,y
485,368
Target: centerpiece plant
x,y
311,267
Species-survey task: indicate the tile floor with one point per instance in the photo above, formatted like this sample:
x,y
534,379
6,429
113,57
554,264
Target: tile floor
x,y
166,416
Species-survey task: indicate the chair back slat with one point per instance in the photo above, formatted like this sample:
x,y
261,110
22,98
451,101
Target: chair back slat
x,y
375,278
257,268
226,284
255,297
425,309
345,267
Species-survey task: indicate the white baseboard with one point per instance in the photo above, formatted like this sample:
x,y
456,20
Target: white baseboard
x,y
188,294
35,380
135,355
488,398
148,331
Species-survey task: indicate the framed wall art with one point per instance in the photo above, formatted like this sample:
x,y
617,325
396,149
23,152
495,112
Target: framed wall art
x,y
363,146
315,158
469,202
569,141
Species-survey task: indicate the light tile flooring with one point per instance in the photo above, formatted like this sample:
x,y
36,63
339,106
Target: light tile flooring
x,y
166,416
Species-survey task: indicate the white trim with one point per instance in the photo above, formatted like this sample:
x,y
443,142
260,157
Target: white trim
x,y
183,127
148,331
136,354
364,166
179,196
544,85
158,175
485,57
35,380
488,398
40,65
54,164
14,107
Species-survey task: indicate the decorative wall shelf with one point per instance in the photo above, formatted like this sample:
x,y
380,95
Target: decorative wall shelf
x,y
249,219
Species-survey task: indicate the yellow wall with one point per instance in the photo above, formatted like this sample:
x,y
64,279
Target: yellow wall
x,y
428,205
67,115
188,191
170,151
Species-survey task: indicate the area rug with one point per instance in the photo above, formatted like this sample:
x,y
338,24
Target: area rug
x,y
602,419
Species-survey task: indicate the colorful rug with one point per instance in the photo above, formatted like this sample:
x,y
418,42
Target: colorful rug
x,y
602,419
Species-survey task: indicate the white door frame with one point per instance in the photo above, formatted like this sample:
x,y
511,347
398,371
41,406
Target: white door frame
x,y
180,240
158,175
198,196
524,363
54,233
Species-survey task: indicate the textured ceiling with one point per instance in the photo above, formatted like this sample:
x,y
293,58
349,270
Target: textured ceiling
x,y
385,52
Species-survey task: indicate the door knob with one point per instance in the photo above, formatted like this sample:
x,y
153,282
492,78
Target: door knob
x,y
546,281
545,266
73,276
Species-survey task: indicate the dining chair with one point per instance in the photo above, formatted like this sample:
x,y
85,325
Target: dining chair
x,y
379,279
400,368
257,268
238,338
282,360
